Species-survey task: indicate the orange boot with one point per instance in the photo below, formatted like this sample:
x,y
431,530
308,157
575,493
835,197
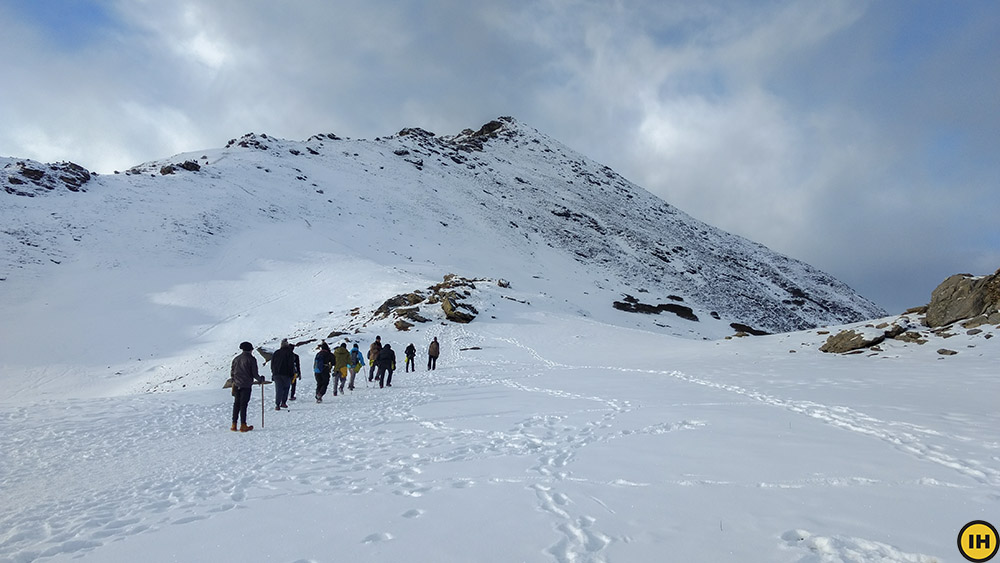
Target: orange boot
x,y
233,427
245,428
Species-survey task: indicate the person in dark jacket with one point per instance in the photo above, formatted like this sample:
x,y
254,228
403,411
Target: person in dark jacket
x,y
296,377
386,362
322,364
433,351
373,351
341,359
282,371
244,373
410,353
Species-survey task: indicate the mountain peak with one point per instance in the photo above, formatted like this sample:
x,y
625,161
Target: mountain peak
x,y
501,201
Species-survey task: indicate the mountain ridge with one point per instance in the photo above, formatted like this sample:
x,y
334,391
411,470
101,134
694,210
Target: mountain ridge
x,y
418,198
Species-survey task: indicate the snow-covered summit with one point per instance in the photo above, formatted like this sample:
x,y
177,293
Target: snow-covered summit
x,y
503,201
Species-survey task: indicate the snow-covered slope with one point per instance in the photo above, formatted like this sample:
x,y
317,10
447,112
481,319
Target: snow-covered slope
x,y
541,437
505,201
556,429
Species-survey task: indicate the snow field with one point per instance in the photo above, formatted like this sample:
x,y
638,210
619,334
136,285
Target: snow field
x,y
531,448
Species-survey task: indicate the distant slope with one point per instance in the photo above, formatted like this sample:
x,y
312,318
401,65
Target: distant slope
x,y
504,201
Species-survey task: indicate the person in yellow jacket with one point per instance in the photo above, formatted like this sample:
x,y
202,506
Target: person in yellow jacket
x,y
373,351
341,359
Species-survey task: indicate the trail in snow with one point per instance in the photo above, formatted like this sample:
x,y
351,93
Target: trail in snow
x,y
500,417
123,471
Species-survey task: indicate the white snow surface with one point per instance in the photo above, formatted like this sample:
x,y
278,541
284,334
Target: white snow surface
x,y
555,428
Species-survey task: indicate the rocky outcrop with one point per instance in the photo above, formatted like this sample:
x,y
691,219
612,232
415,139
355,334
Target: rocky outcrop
x,y
29,178
973,300
855,339
632,305
189,165
964,296
448,294
850,340
452,309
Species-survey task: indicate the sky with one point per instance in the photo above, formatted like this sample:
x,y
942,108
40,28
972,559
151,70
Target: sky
x,y
857,136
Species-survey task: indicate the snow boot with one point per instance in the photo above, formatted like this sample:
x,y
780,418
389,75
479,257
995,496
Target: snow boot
x,y
245,428
233,427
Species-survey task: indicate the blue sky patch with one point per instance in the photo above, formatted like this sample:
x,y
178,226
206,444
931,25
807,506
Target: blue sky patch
x,y
66,23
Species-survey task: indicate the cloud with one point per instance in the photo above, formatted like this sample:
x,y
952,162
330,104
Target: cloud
x,y
857,136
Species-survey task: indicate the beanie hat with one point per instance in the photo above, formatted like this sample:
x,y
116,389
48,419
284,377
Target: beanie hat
x,y
246,346
284,342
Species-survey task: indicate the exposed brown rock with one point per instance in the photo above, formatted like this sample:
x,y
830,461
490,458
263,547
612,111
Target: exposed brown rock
x,y
849,340
450,305
963,296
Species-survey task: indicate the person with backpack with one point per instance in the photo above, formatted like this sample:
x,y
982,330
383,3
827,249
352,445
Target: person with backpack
x,y
341,359
282,371
386,363
433,351
296,377
357,362
373,351
322,364
410,353
244,374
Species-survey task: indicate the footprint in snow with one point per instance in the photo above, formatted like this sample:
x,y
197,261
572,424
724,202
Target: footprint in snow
x,y
378,537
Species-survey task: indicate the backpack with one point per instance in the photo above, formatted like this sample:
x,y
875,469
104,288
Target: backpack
x,y
355,356
318,364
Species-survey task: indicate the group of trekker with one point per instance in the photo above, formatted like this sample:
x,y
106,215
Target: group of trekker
x,y
340,364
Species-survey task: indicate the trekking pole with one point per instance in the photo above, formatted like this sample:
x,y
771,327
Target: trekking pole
x,y
263,382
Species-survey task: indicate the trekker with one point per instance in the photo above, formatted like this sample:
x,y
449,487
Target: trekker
x,y
297,376
244,373
373,351
410,353
341,359
357,362
386,362
322,365
433,351
282,371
